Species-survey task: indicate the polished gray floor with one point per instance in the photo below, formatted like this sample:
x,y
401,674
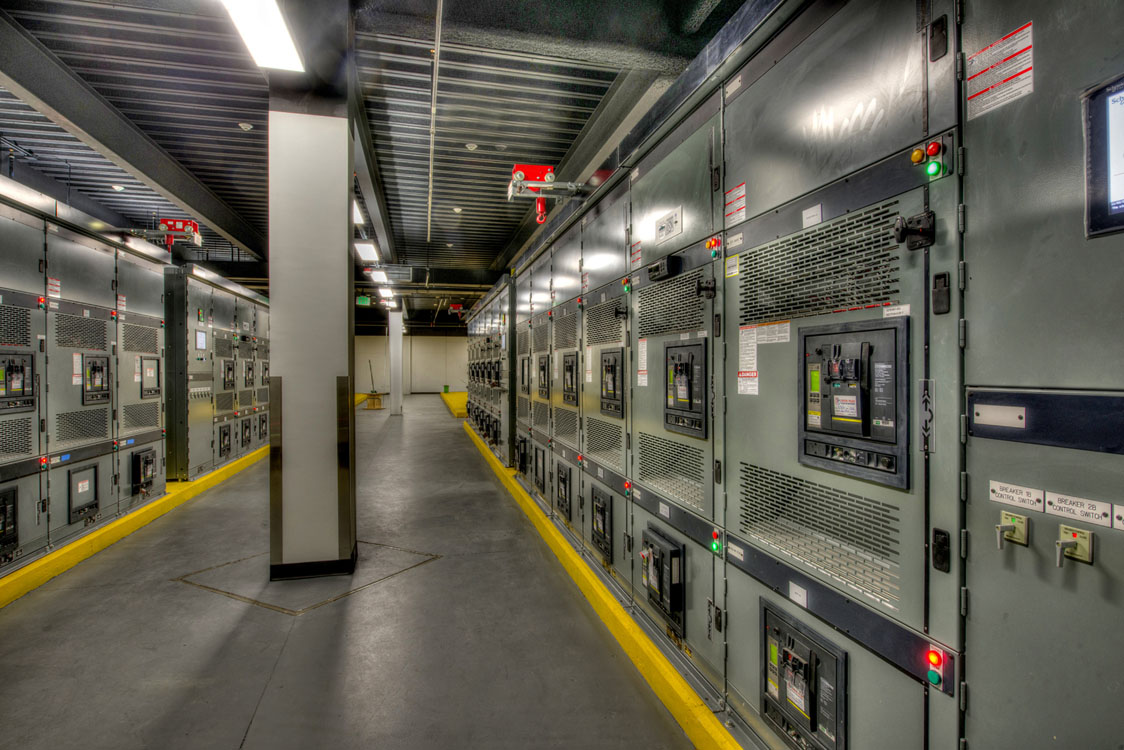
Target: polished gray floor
x,y
463,632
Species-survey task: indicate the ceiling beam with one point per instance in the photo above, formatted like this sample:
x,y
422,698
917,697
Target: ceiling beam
x,y
367,171
34,74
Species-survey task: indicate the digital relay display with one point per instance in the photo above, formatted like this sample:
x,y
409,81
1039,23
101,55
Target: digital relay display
x,y
1104,155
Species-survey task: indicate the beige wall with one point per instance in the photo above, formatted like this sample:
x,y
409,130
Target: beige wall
x,y
430,362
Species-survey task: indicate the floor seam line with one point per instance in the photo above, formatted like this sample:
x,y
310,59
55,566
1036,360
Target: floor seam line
x,y
265,688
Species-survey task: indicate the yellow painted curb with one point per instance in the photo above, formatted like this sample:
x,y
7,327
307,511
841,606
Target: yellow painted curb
x,y
457,403
35,574
699,723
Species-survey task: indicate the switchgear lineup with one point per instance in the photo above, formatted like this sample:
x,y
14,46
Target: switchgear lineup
x,y
117,371
779,378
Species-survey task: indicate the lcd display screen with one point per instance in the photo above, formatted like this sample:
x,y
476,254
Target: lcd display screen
x,y
1104,158
200,340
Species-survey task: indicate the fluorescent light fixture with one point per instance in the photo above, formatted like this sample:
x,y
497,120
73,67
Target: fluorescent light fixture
x,y
264,31
379,277
357,213
391,304
118,188
386,292
367,251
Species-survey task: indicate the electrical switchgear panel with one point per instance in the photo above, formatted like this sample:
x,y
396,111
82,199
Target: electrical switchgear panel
x,y
854,399
150,377
612,382
540,469
9,521
522,455
564,487
95,379
263,426
804,684
662,572
544,376
602,533
247,432
685,406
248,376
525,375
83,496
228,374
224,440
143,470
570,378
17,383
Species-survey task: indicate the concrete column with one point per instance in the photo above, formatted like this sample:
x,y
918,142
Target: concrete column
x,y
394,329
311,289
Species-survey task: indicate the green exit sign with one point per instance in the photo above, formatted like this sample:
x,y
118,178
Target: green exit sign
x,y
362,301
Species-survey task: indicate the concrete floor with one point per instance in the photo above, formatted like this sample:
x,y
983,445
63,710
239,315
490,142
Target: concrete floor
x,y
466,634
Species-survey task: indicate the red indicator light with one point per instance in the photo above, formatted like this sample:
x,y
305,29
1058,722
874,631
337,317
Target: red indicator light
x,y
43,461
715,533
935,658
579,300
933,148
628,485
579,457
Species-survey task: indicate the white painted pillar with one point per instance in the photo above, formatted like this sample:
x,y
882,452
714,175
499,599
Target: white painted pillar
x,y
394,330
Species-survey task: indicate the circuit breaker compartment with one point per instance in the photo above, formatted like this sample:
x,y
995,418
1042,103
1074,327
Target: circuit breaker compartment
x,y
83,495
686,381
17,382
612,382
95,379
143,470
570,379
602,530
662,573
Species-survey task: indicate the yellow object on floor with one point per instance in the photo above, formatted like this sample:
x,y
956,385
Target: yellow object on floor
x,y
36,573
699,723
360,398
457,403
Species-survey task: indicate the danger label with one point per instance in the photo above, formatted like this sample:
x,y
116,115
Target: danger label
x,y
735,205
634,256
1001,72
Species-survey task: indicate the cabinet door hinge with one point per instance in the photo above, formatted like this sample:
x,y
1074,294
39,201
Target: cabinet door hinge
x,y
963,544
718,472
963,428
964,601
962,274
960,218
628,542
963,697
959,65
963,486
963,333
960,161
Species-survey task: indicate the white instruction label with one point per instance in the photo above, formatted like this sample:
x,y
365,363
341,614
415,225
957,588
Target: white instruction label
x,y
1020,497
1079,509
735,551
642,363
846,406
812,216
665,511
798,594
1001,72
734,240
747,361
589,364
137,371
773,333
76,371
84,486
895,311
732,266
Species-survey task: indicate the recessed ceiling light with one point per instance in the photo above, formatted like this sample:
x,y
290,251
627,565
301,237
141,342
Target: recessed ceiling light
x,y
470,146
247,126
264,31
386,292
379,277
457,209
118,188
448,244
367,251
357,213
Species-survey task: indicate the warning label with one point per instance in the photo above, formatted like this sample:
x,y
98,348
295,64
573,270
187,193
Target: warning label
x,y
748,381
634,256
1001,72
735,205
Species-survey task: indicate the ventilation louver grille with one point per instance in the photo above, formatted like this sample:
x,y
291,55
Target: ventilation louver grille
x,y
523,409
245,349
224,402
674,469
541,334
671,306
140,339
523,343
263,395
263,349
17,438
566,332
566,426
245,399
852,539
850,262
602,325
224,347
134,416
15,326
80,426
604,443
74,332
541,415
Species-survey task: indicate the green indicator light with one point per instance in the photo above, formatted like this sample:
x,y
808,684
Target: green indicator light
x,y
934,677
714,253
714,546
934,168
627,288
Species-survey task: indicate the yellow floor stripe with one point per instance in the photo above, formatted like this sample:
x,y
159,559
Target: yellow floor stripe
x,y
35,574
699,723
457,403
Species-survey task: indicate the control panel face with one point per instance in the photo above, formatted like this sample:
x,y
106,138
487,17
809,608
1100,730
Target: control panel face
x,y
83,496
522,455
143,470
544,376
525,375
95,379
686,377
602,533
17,383
248,375
854,399
9,520
570,378
662,567
612,382
263,426
224,440
150,377
228,374
564,484
265,373
804,684
247,432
